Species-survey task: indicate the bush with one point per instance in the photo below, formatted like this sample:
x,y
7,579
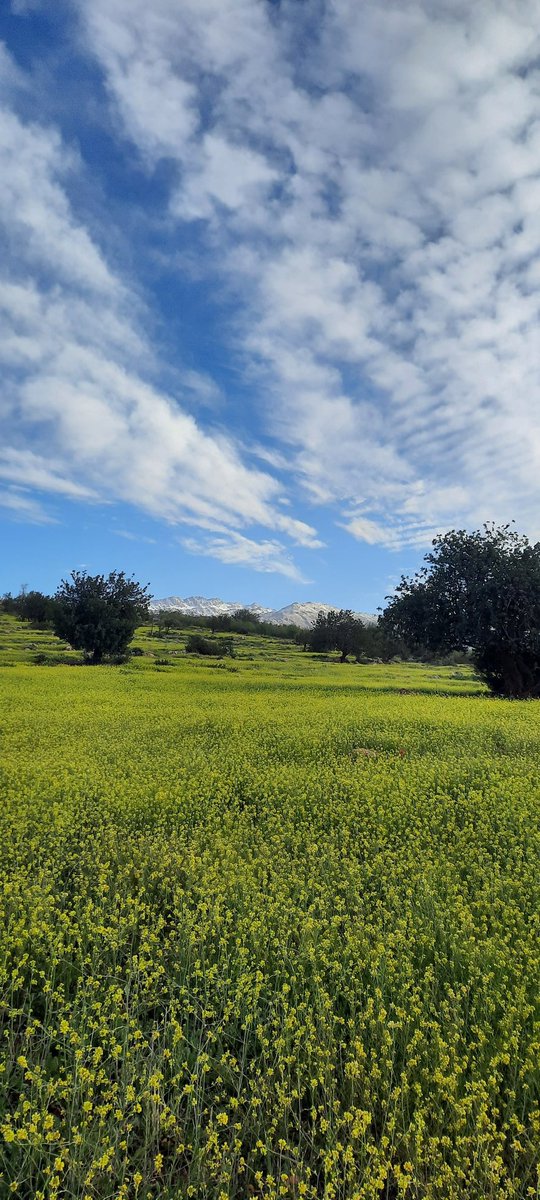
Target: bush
x,y
210,647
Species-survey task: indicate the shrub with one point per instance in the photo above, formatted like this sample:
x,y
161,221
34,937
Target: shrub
x,y
211,647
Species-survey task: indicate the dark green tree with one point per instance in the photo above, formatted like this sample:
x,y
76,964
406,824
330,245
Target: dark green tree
x,y
217,647
246,614
36,608
337,631
99,613
478,591
9,604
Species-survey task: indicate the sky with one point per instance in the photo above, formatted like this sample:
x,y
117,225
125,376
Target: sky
x,y
269,289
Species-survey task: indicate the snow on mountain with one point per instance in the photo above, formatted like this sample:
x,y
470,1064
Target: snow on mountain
x,y
303,613
201,606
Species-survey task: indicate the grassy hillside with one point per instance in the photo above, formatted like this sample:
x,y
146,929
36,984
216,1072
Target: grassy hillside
x,y
270,928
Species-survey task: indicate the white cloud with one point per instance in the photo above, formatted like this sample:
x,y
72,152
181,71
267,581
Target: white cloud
x,y
35,209
82,415
237,550
391,292
134,537
224,174
24,466
25,508
373,205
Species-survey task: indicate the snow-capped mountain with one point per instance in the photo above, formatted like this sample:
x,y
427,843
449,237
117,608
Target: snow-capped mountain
x,y
201,606
303,613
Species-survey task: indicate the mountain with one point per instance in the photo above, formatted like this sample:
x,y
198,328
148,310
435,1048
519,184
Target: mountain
x,y
303,613
201,606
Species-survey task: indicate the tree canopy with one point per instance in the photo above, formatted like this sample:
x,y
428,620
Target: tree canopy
x,y
478,591
337,631
99,614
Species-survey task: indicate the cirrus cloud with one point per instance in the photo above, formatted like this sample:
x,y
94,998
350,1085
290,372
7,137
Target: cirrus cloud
x,y
364,190
375,198
83,414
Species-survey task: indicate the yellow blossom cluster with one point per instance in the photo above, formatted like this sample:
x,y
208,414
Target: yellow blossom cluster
x,y
241,957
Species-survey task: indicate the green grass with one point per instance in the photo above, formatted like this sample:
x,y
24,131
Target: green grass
x,y
269,928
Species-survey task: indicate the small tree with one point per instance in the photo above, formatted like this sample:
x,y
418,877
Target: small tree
x,y
246,614
36,608
337,631
99,614
216,647
478,591
9,604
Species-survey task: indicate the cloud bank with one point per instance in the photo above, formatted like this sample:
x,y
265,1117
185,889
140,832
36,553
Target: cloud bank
x,y
366,182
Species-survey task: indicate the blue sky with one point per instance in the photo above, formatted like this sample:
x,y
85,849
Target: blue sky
x,y
270,295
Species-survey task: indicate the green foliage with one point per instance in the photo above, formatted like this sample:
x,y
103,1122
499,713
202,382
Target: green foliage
x,y
37,609
99,614
480,591
211,647
246,614
267,934
338,631
8,604
242,622
34,607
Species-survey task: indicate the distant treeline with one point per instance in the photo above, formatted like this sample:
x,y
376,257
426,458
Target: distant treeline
x,y
32,606
243,621
334,632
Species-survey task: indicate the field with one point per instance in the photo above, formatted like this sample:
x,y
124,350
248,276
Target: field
x,y
270,928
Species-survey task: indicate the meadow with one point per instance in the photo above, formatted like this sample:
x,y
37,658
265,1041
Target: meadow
x,y
269,928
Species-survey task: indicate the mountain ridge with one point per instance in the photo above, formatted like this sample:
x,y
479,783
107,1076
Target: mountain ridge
x,y
302,613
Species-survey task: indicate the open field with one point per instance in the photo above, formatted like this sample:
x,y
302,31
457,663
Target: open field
x,y
270,928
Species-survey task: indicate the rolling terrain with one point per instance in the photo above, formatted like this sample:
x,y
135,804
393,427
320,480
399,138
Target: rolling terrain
x,y
302,613
269,927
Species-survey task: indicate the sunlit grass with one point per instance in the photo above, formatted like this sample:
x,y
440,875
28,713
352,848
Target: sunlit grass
x,y
270,931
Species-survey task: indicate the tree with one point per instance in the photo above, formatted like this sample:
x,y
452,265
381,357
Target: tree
x,y
377,643
302,637
479,591
337,631
99,614
246,614
9,604
218,647
36,608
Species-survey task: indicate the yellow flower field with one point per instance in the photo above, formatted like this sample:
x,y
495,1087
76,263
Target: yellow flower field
x,y
269,930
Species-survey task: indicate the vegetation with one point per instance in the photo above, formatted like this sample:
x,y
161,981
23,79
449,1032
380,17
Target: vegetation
x,y
340,631
479,590
267,931
347,634
34,607
99,614
217,647
242,622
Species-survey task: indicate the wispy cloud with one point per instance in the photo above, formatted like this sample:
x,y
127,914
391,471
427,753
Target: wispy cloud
x,y
371,204
237,550
134,537
377,202
23,507
82,413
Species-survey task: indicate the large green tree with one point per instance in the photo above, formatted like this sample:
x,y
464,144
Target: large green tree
x,y
478,591
99,613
